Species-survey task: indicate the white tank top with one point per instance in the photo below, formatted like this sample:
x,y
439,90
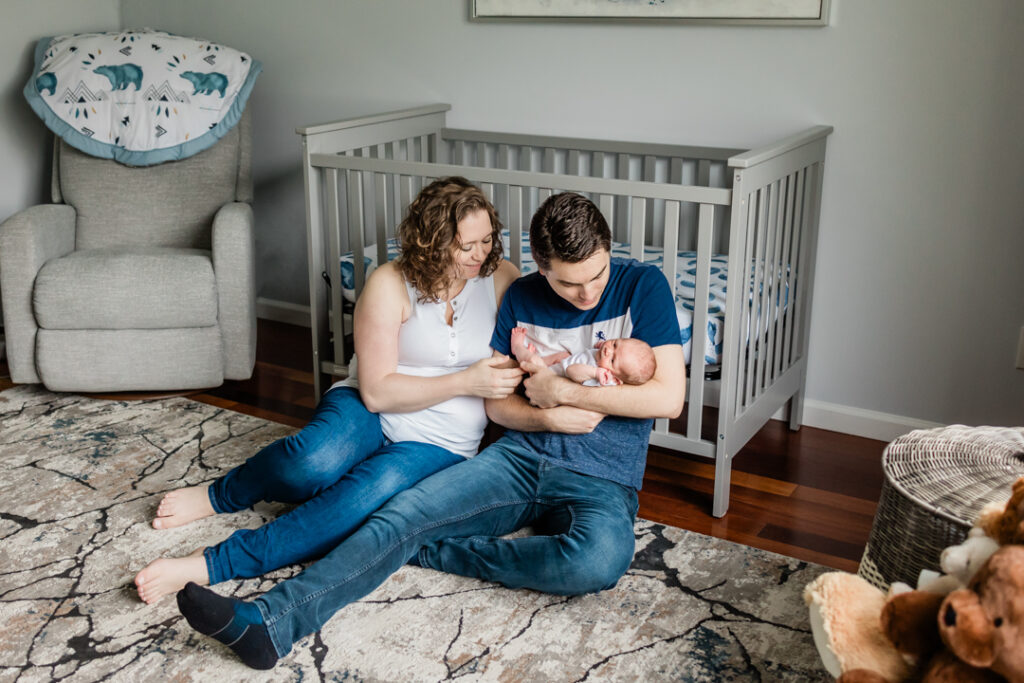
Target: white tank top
x,y
429,347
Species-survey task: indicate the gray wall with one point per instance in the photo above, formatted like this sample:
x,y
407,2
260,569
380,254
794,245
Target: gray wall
x,y
24,142
920,292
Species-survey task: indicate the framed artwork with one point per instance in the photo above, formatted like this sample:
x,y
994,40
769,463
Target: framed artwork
x,y
765,12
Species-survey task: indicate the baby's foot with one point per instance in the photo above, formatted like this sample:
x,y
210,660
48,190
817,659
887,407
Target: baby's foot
x,y
180,507
521,346
169,575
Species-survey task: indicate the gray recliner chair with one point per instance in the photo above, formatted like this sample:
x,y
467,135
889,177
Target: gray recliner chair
x,y
135,278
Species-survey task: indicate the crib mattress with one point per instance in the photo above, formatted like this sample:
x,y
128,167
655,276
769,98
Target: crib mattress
x,y
685,284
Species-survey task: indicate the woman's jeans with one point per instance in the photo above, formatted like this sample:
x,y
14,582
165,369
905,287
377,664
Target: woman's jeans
x,y
453,521
340,467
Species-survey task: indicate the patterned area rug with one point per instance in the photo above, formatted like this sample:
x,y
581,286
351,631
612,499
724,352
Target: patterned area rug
x,y
80,479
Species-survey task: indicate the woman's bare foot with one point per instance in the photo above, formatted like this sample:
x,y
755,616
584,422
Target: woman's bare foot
x,y
169,575
180,507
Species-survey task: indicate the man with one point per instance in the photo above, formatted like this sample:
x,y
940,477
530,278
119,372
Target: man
x,y
570,463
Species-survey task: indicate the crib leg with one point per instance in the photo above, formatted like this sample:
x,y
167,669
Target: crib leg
x,y
796,410
723,473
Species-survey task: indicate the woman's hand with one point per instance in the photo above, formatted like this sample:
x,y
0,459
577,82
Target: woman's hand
x,y
494,377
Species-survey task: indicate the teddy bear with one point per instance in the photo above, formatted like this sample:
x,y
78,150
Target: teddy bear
x,y
973,635
1005,523
959,563
860,647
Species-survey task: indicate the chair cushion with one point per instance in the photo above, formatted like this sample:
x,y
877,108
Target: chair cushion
x,y
130,360
168,205
131,288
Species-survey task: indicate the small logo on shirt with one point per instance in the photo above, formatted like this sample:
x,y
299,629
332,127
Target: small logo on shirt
x,y
600,335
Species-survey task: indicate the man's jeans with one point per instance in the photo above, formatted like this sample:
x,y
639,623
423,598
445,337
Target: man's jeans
x,y
452,522
340,467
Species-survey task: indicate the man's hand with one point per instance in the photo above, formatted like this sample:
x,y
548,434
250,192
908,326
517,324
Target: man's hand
x,y
545,389
569,420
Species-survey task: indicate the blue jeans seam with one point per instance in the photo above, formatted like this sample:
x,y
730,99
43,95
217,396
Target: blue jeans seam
x,y
207,552
365,567
270,628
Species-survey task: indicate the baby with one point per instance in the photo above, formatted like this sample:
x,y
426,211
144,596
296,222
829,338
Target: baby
x,y
611,362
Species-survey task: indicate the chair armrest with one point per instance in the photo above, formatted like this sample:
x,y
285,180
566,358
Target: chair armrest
x,y
28,240
234,266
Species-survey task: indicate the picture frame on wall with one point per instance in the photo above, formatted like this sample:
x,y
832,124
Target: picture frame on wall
x,y
762,12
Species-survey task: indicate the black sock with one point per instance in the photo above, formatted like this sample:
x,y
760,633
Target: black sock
x,y
233,622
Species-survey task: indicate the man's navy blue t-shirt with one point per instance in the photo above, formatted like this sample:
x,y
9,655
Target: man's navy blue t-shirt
x,y
636,303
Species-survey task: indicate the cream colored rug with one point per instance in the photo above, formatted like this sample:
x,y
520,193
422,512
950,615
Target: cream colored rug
x,y
80,479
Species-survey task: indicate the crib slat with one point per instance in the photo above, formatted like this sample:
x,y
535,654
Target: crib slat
x,y
775,305
384,219
549,160
760,293
488,190
798,228
395,206
637,229
751,282
526,158
515,225
704,173
655,207
543,194
702,284
481,155
354,196
619,229
670,259
798,312
334,260
605,203
769,310
438,149
572,163
405,192
501,195
669,265
780,362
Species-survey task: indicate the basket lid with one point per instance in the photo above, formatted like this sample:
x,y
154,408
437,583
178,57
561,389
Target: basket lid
x,y
955,471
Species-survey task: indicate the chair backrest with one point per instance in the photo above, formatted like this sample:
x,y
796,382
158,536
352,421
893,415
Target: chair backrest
x,y
167,205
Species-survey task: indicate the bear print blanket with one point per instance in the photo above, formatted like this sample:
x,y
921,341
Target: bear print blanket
x,y
139,97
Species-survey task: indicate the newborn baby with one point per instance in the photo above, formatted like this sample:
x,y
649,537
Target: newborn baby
x,y
610,362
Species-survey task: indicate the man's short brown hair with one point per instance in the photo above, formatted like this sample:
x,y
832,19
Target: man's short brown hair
x,y
568,227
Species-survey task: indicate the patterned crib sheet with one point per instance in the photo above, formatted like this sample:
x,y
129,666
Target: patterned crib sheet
x,y
685,285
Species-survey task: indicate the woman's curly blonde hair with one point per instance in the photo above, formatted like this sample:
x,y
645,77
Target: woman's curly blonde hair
x,y
429,235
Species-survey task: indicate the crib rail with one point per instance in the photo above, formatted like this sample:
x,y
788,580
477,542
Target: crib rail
x,y
760,206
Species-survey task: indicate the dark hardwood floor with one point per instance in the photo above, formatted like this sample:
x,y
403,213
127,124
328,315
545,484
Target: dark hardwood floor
x,y
809,494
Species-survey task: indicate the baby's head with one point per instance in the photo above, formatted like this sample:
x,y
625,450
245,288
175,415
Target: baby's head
x,y
630,360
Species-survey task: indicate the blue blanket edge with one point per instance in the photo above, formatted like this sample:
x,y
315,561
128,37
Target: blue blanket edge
x,y
105,150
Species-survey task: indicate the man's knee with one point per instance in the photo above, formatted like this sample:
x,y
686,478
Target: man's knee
x,y
597,563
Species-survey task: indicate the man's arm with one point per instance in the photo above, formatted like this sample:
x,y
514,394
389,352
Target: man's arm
x,y
515,412
661,396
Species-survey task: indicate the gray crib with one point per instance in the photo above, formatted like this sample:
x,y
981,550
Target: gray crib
x,y
737,227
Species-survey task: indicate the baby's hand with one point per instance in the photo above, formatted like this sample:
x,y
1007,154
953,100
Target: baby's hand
x,y
606,378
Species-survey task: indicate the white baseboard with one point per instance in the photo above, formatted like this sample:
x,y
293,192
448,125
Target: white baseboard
x,y
282,312
819,414
860,422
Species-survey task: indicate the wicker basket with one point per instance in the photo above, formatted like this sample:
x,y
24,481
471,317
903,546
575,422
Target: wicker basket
x,y
936,483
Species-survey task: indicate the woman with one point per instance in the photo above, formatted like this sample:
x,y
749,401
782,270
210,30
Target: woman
x,y
422,330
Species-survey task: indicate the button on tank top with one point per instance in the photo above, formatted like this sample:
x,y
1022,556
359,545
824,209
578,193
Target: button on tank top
x,y
429,347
